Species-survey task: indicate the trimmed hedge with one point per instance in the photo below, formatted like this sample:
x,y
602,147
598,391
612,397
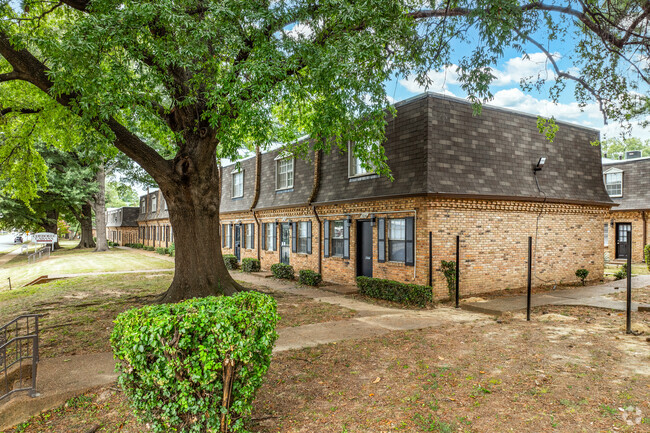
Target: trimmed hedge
x,y
646,255
582,274
250,265
408,294
309,277
161,250
231,261
148,248
174,358
283,271
138,246
172,249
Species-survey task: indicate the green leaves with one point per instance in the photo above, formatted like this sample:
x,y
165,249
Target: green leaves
x,y
174,357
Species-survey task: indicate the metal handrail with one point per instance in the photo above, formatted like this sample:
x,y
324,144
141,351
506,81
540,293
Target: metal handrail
x,y
32,257
19,352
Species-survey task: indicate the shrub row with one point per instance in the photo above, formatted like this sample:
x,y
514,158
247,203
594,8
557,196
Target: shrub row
x,y
408,294
137,246
174,357
309,278
162,250
283,271
250,265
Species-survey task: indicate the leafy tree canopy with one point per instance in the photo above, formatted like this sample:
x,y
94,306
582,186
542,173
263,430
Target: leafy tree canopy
x,y
615,148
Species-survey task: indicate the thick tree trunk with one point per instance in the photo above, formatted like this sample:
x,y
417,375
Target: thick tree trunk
x,y
193,203
50,224
86,223
99,206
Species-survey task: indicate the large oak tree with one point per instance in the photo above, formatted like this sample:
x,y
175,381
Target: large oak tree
x,y
177,84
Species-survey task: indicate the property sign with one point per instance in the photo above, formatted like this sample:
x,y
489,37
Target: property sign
x,y
45,238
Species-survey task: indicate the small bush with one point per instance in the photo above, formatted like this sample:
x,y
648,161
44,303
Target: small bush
x,y
250,265
174,358
408,294
309,278
172,249
646,255
449,270
161,250
231,261
148,248
621,273
283,271
582,274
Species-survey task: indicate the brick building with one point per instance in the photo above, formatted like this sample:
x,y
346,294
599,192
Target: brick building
x,y
454,174
122,225
628,184
154,228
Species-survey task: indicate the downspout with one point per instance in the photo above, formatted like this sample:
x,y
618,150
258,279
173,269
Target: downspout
x,y
256,196
645,234
314,191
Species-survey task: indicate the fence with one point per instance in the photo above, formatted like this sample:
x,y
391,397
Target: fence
x,y
19,356
44,252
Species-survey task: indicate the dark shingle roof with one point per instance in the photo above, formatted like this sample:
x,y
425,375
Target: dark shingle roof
x,y
159,213
436,146
636,183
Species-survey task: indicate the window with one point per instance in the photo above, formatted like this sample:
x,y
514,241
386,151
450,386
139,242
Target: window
x,y
397,240
154,203
606,234
354,164
250,232
238,184
227,240
143,205
303,237
284,171
164,203
270,237
337,238
614,183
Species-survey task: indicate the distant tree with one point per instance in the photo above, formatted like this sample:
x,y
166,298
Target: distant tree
x,y
615,148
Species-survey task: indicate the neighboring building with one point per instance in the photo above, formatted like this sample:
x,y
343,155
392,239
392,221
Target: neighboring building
x,y
628,184
154,228
122,225
454,174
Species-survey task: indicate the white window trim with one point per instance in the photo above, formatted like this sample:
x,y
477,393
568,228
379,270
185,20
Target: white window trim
x,y
613,170
232,188
154,205
350,158
293,166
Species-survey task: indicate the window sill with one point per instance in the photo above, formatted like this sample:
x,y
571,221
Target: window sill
x,y
281,191
237,198
363,177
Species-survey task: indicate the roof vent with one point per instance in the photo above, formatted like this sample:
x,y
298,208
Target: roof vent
x,y
632,154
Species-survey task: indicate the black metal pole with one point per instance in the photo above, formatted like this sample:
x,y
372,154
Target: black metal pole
x,y
430,260
457,271
530,267
9,283
628,318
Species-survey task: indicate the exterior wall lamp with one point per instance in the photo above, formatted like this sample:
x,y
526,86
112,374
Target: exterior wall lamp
x,y
540,164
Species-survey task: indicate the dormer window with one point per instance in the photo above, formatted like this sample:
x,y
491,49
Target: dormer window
x,y
614,182
284,173
355,167
238,184
154,203
143,205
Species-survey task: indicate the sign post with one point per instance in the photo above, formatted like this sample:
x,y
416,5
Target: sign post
x,y
46,238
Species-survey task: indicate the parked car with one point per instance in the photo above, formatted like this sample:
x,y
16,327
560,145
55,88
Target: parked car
x,y
18,240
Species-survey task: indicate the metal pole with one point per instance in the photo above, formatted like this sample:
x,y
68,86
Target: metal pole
x,y
628,319
457,270
9,283
530,267
430,260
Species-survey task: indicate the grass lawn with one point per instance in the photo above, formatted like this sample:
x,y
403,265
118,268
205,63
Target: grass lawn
x,y
637,269
72,261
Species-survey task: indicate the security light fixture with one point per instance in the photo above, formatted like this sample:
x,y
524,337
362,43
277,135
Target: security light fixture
x,y
373,219
540,164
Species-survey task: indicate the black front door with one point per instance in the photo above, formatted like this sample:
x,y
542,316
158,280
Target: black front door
x,y
238,241
285,245
364,249
621,239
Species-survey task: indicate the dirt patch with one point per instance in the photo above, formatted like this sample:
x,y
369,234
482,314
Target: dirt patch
x,y
641,295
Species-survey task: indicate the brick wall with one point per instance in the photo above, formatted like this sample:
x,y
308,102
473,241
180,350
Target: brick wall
x,y
160,236
636,219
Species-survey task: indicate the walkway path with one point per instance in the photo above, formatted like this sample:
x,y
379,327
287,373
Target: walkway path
x,y
10,255
591,296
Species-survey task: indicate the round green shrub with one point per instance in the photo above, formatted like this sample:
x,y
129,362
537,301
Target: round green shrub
x,y
309,277
174,358
250,265
231,261
283,271
582,274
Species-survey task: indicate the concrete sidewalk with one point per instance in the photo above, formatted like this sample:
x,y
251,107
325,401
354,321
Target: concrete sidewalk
x,y
592,296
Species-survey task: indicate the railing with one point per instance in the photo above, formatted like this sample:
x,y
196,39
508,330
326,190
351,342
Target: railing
x,y
36,256
19,356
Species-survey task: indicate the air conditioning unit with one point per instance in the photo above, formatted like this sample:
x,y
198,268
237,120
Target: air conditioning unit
x,y
632,154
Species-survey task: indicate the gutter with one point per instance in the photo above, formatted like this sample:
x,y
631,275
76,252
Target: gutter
x,y
645,233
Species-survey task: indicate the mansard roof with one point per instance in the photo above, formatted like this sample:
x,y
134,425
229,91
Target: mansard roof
x,y
159,213
436,146
122,217
636,183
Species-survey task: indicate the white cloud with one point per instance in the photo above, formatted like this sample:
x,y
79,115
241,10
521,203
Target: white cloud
x,y
440,81
518,100
536,65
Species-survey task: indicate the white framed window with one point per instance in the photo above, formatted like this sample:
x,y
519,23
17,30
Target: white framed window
x,y
227,235
614,182
354,164
397,240
337,238
284,173
143,205
270,233
606,234
303,237
154,203
238,184
249,236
